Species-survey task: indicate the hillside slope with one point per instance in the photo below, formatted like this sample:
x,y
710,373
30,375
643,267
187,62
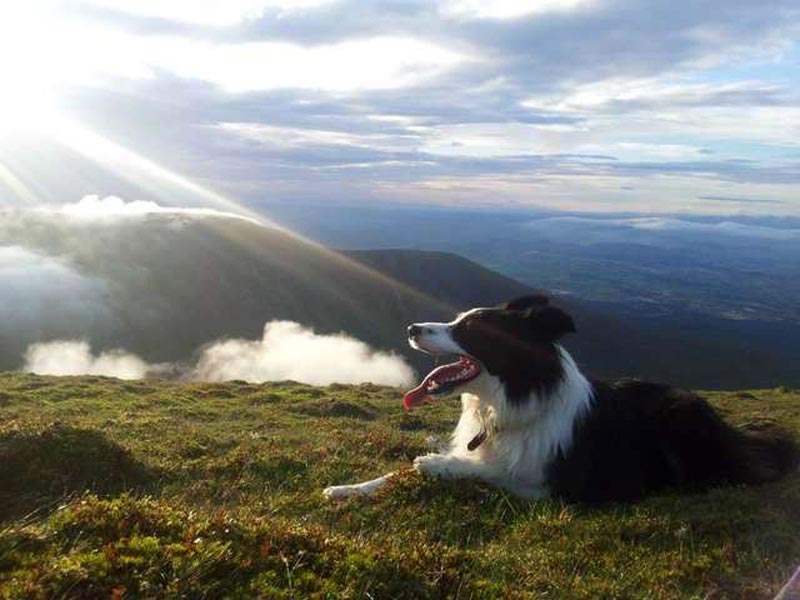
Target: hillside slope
x,y
164,285
200,490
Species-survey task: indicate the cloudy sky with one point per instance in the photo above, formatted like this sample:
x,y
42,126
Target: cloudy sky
x,y
591,105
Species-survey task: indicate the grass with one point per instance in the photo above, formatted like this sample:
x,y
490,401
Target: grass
x,y
114,489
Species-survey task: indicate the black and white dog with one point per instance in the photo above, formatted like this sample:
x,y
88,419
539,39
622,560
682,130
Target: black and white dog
x,y
533,424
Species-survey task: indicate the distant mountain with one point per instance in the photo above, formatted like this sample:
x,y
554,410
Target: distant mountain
x,y
448,277
162,285
733,268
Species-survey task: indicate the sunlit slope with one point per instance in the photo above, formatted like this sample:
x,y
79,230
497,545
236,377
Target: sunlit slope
x,y
224,501
170,284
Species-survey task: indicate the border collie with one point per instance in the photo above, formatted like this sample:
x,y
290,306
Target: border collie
x,y
532,423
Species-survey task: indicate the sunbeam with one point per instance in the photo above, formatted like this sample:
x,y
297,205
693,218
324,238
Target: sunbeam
x,y
135,168
20,191
164,183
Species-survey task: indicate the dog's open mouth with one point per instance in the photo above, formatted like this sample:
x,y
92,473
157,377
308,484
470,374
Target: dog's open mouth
x,y
442,380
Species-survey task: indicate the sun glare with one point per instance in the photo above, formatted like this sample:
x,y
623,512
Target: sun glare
x,y
29,108
22,111
29,79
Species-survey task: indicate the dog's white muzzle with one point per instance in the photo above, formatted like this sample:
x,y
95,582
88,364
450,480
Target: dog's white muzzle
x,y
433,338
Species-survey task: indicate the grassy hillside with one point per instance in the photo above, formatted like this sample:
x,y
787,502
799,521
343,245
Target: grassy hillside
x,y
187,490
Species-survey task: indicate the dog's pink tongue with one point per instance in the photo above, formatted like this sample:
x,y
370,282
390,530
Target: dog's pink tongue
x,y
415,396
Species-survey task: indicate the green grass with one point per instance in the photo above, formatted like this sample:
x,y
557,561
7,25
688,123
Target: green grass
x,y
114,489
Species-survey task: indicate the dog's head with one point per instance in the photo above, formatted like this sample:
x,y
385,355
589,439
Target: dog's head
x,y
515,343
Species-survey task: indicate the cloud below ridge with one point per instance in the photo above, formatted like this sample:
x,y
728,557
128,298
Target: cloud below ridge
x,y
92,206
286,351
74,357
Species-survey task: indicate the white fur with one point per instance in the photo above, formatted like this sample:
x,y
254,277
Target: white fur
x,y
435,337
521,440
367,488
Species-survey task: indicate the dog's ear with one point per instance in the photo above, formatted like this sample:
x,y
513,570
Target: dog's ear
x,y
551,322
528,303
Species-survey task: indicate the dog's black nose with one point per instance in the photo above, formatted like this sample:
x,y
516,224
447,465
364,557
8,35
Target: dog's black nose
x,y
414,330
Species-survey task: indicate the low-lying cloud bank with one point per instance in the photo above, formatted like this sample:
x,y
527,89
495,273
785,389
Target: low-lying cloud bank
x,y
589,229
92,206
39,291
286,350
74,357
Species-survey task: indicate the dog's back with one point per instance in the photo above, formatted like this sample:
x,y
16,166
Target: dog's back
x,y
641,437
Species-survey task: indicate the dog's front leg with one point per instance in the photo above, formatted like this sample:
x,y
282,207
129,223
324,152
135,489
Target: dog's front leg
x,y
453,467
365,488
448,466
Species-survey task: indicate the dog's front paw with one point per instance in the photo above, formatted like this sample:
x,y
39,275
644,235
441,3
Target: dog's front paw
x,y
433,465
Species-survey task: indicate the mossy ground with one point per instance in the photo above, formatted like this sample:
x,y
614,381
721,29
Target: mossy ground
x,y
114,489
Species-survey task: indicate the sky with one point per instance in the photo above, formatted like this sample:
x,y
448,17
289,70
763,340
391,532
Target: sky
x,y
647,106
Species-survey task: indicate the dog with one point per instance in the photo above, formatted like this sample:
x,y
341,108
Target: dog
x,y
532,423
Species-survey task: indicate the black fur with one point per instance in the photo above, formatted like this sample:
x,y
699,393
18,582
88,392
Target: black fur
x,y
643,437
532,301
517,343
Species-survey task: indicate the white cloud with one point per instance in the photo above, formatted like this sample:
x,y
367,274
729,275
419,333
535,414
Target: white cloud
x,y
385,62
640,108
510,9
638,151
400,164
597,187
295,137
93,206
207,12
726,228
615,93
592,230
490,140
91,54
38,290
288,350
72,357
494,140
